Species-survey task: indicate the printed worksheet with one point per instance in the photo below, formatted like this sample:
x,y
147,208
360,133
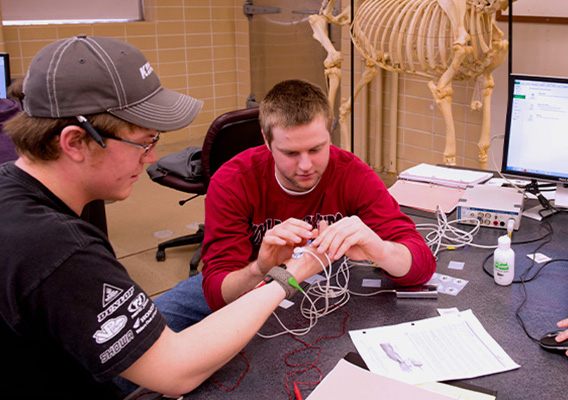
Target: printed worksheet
x,y
454,346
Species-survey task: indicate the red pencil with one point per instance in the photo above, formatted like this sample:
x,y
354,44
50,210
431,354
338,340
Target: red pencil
x,y
297,392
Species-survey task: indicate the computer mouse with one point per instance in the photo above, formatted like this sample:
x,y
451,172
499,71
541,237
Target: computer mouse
x,y
548,342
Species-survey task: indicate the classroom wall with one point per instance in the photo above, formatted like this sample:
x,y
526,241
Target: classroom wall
x,y
197,47
201,47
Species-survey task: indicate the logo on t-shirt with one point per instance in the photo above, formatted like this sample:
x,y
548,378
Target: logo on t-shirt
x,y
138,304
110,329
110,293
119,298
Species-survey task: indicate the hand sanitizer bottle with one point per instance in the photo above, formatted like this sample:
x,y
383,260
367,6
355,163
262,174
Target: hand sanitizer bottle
x,y
504,262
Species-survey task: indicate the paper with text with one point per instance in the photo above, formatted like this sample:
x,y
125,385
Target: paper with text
x,y
442,348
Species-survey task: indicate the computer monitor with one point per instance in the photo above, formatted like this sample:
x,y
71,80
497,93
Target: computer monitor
x,y
536,134
4,74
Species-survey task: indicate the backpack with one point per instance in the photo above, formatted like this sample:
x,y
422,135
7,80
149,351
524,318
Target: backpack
x,y
185,164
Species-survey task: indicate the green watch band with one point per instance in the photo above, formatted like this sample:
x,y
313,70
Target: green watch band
x,y
280,275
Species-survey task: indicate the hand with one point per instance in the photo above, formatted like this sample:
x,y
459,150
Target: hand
x,y
564,335
349,236
309,264
279,242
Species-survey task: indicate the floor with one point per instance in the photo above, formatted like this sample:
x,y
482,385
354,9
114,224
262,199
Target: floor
x,y
152,215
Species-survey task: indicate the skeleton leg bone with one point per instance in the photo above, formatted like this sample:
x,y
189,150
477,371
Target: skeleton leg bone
x,y
484,140
444,102
442,93
332,62
371,70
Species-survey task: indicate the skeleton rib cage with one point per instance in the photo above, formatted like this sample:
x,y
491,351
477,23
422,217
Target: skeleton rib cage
x,y
441,40
417,37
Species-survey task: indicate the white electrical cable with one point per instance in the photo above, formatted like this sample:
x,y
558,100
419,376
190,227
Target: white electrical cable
x,y
444,235
311,312
334,287
439,236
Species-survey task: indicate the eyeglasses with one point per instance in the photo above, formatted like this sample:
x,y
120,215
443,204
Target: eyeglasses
x,y
147,148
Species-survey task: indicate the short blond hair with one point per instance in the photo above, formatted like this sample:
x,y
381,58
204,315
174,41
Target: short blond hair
x,y
293,103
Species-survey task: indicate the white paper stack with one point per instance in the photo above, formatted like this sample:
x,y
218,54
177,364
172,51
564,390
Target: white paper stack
x,y
444,176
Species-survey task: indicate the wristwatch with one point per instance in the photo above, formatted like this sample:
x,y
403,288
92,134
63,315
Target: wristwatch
x,y
285,279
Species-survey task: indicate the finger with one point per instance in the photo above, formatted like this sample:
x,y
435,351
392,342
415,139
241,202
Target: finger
x,y
282,238
295,225
296,222
274,240
291,233
334,238
562,337
324,239
343,247
322,226
343,244
309,241
563,323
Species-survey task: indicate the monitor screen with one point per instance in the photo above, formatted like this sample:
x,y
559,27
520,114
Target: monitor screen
x,y
4,74
536,133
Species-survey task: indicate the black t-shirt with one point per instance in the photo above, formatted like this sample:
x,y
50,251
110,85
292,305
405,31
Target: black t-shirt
x,y
71,317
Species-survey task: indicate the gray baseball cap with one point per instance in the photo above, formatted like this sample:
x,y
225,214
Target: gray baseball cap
x,y
90,75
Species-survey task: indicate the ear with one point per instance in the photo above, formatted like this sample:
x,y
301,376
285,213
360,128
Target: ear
x,y
73,142
265,141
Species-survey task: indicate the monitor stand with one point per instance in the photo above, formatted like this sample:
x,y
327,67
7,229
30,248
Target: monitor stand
x,y
545,208
561,197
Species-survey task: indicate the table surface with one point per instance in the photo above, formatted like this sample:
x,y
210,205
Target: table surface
x,y
543,375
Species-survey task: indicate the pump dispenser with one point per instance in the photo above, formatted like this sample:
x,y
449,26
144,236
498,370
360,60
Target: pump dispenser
x,y
504,262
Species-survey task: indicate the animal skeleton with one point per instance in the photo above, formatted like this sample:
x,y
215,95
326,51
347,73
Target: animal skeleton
x,y
442,40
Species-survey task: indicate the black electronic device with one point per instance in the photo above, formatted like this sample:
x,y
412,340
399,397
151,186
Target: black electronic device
x,y
536,136
548,342
4,75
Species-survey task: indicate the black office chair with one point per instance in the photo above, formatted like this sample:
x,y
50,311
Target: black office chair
x,y
228,135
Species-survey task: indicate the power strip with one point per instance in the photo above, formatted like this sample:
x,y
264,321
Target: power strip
x,y
492,206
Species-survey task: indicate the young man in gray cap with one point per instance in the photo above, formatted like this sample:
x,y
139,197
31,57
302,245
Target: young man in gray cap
x,y
71,317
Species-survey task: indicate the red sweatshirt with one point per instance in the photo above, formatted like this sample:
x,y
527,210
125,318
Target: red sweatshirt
x,y
244,200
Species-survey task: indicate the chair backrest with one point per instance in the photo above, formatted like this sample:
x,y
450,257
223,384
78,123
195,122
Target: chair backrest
x,y
230,134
